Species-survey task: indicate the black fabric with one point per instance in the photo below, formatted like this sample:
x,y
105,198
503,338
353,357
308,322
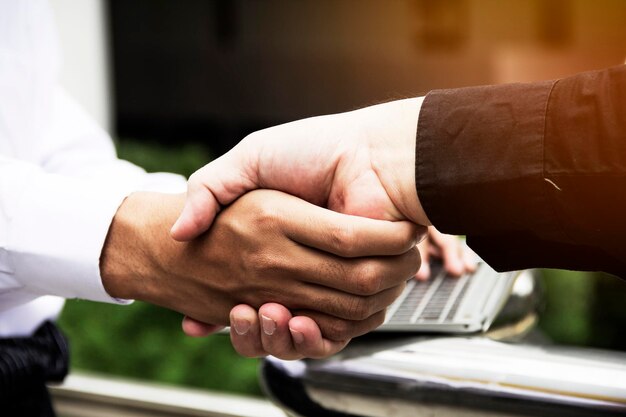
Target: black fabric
x,y
534,174
26,365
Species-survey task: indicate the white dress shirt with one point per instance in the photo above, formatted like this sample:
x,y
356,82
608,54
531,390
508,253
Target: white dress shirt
x,y
60,180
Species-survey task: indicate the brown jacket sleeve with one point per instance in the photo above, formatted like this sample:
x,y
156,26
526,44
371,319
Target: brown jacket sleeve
x,y
534,174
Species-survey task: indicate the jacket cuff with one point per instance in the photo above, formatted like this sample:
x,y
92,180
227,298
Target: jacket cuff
x,y
479,159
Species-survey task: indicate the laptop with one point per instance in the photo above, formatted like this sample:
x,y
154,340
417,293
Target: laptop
x,y
446,304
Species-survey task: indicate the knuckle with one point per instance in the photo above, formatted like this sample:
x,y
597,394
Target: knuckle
x,y
371,324
343,238
265,215
415,260
257,296
368,280
264,264
260,263
338,330
358,308
247,348
395,292
264,280
379,319
281,352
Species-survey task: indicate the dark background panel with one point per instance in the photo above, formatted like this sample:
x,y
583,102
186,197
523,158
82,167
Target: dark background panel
x,y
214,70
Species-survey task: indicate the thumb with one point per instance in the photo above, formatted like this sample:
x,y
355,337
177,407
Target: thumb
x,y
218,183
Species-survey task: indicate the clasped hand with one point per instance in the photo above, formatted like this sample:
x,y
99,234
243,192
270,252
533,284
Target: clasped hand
x,y
339,271
320,263
360,163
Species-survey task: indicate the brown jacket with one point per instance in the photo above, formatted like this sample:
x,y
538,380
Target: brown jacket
x,y
534,174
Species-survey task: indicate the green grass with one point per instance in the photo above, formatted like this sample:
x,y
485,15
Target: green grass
x,y
184,159
584,308
568,303
146,342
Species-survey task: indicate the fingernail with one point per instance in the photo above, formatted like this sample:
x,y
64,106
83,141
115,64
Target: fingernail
x,y
175,230
241,326
179,221
297,336
175,227
423,234
269,325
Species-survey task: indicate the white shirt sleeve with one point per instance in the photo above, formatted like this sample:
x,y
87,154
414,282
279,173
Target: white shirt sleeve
x,y
61,182
52,230
74,145
55,215
56,208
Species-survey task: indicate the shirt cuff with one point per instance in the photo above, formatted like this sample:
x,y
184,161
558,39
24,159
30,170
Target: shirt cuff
x,y
57,228
479,159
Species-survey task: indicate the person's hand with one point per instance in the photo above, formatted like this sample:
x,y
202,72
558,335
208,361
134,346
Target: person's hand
x,y
300,337
289,337
341,270
457,258
360,162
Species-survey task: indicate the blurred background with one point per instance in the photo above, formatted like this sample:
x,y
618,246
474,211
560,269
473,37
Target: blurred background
x,y
177,83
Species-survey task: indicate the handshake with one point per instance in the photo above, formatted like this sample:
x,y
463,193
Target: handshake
x,y
299,237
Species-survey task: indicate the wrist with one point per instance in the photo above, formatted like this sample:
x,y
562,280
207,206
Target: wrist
x,y
408,199
130,263
394,155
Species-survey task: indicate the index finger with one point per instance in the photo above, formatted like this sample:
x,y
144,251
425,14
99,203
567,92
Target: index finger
x,y
346,235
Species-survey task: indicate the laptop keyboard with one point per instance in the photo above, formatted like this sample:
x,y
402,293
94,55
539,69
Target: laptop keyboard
x,y
432,301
